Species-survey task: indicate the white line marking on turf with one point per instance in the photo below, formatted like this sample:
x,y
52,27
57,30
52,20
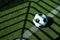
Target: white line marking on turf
x,y
54,12
27,34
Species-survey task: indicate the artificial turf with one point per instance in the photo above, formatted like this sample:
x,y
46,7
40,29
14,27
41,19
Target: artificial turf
x,y
13,19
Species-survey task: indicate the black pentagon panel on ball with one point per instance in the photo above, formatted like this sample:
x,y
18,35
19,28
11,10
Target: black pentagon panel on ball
x,y
37,20
40,14
44,19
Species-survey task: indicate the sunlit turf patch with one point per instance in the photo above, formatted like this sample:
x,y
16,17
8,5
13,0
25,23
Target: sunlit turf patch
x,y
34,0
45,6
11,28
10,22
50,32
56,23
33,11
7,17
12,36
57,1
29,25
55,27
39,35
14,8
42,35
51,3
57,19
58,14
39,8
30,17
32,37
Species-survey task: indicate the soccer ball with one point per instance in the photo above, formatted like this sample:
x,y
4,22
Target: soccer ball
x,y
40,20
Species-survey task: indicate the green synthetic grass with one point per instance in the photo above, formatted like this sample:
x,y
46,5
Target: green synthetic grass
x,y
55,26
12,36
39,33
51,3
38,8
45,6
34,0
14,8
12,21
47,30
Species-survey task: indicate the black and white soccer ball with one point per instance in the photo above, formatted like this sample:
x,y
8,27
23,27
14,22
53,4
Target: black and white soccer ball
x,y
40,20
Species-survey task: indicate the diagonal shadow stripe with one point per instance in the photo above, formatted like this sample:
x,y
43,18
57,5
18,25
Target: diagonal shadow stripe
x,y
31,14
20,38
49,0
10,25
31,32
12,12
46,34
54,2
41,12
38,38
52,30
46,10
12,18
56,23
30,21
36,9
50,37
25,19
46,4
10,33
25,28
57,38
51,6
1,7
53,21
39,1
49,27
